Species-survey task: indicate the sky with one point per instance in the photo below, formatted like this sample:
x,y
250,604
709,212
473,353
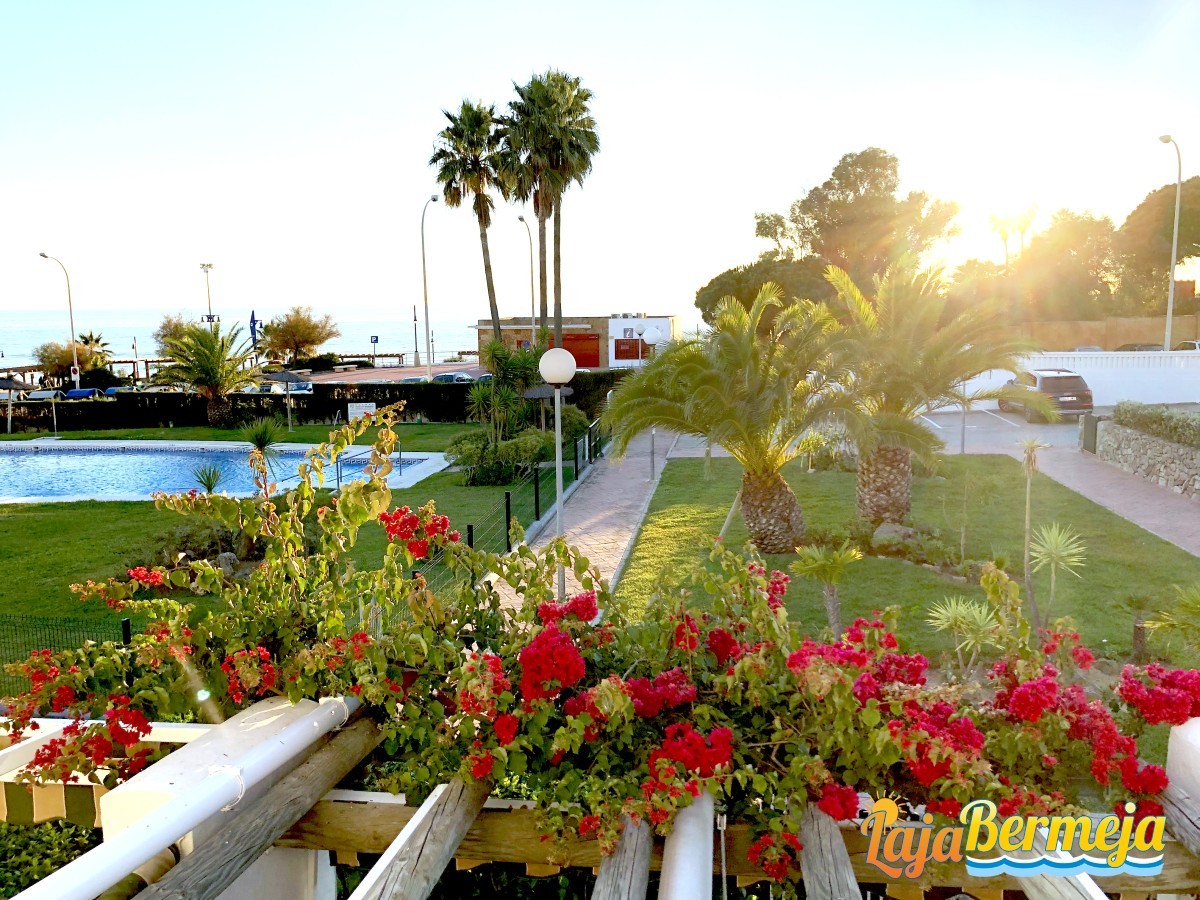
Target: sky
x,y
287,143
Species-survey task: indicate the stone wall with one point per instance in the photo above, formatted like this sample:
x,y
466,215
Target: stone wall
x,y
1162,462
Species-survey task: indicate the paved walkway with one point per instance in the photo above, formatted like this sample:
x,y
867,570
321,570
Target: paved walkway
x,y
603,514
1157,509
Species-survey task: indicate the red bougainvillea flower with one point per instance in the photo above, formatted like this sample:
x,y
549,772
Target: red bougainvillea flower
x,y
1172,696
146,577
481,762
775,858
581,606
506,726
1083,657
839,801
1031,699
1143,809
947,807
549,663
686,634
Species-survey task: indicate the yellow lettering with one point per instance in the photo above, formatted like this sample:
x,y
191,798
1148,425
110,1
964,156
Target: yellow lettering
x,y
1032,824
1124,843
1149,834
1104,836
1009,830
979,817
1066,830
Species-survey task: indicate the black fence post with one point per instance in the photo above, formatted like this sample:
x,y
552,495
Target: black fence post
x,y
537,492
126,632
507,519
575,451
471,536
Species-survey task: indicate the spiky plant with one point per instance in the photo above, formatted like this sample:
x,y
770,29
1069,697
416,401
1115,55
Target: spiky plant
x,y
211,361
264,434
1182,618
753,391
1060,549
1029,452
972,624
827,565
209,476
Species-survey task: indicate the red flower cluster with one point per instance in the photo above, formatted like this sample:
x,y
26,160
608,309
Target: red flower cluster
x,y
935,741
549,663
586,703
668,690
685,634
688,747
484,683
481,762
1148,779
724,646
776,858
871,634
146,577
1029,700
947,806
249,670
581,606
418,529
506,726
79,744
1172,695
841,654
839,801
1143,809
1093,724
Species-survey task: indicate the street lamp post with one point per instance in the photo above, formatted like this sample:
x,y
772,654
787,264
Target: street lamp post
x,y
532,302
1167,139
425,287
557,367
639,329
71,316
416,351
652,338
210,318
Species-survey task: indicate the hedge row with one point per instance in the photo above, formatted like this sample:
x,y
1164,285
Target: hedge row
x,y
1160,421
424,402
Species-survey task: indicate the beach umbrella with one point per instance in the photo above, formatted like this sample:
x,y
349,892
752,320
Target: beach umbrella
x,y
287,379
12,385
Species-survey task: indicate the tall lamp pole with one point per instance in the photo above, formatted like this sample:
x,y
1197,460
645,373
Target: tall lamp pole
x,y
210,318
425,287
653,337
1167,139
557,367
532,302
71,315
639,329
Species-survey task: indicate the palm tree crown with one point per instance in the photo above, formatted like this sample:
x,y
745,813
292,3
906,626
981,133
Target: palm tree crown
x,y
468,160
212,362
754,392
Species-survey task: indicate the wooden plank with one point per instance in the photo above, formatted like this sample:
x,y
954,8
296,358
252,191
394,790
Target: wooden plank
x,y
368,825
626,874
1055,887
537,870
824,863
462,864
415,861
1183,816
906,892
256,825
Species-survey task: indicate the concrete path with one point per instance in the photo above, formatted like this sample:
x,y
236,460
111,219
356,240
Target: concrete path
x,y
604,513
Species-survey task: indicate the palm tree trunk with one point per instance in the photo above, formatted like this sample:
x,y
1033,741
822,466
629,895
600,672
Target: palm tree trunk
x,y
558,336
219,409
491,286
545,300
771,512
883,491
833,610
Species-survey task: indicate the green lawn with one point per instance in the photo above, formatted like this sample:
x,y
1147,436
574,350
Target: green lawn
x,y
413,436
1122,559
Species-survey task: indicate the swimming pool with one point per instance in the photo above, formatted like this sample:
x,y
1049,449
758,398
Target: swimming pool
x,y
53,471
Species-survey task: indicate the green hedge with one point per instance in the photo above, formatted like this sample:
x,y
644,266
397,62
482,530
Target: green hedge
x,y
1160,421
28,853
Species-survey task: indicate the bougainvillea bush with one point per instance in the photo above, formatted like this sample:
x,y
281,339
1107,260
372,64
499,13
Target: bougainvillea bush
x,y
599,719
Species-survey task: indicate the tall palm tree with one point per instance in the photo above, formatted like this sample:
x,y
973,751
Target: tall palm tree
x,y
467,156
212,362
527,138
549,139
752,392
98,348
909,357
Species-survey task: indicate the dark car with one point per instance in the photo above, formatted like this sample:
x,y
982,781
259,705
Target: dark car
x,y
1066,390
83,394
1139,348
452,378
1188,345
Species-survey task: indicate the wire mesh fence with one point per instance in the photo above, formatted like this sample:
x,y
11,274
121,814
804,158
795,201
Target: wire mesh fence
x,y
22,635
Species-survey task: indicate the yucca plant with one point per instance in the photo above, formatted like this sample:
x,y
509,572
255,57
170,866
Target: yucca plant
x,y
972,624
264,435
1029,451
212,362
209,476
827,565
1182,620
1059,548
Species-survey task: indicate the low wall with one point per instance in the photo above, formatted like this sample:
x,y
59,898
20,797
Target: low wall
x,y
1108,333
1145,377
1158,461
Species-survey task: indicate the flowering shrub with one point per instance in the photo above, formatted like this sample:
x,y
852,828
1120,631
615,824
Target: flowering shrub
x,y
598,718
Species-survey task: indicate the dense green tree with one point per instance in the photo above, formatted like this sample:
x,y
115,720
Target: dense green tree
x,y
214,363
797,279
55,359
1143,242
752,392
170,328
908,357
856,221
295,334
1068,271
467,157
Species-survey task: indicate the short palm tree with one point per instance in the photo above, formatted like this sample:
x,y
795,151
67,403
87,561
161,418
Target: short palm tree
x,y
754,393
98,348
213,362
910,357
1029,452
467,157
1059,548
827,565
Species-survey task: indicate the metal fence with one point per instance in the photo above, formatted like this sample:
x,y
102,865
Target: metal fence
x,y
22,635
528,500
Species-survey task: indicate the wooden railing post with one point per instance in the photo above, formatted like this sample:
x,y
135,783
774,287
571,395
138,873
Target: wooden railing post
x,y
626,874
824,863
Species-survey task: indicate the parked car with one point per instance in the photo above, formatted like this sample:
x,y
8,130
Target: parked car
x,y
83,394
162,389
414,379
121,389
1188,345
1066,390
45,395
452,378
485,377
1090,348
1139,348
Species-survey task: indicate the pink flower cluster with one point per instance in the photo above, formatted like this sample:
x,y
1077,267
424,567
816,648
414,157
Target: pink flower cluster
x,y
668,690
417,529
582,606
549,663
146,577
484,683
1162,695
935,739
776,858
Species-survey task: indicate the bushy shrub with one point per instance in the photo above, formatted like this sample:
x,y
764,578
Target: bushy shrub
x,y
28,853
323,362
523,453
574,423
1160,421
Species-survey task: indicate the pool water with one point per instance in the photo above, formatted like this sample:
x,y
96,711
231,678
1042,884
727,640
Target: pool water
x,y
66,473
